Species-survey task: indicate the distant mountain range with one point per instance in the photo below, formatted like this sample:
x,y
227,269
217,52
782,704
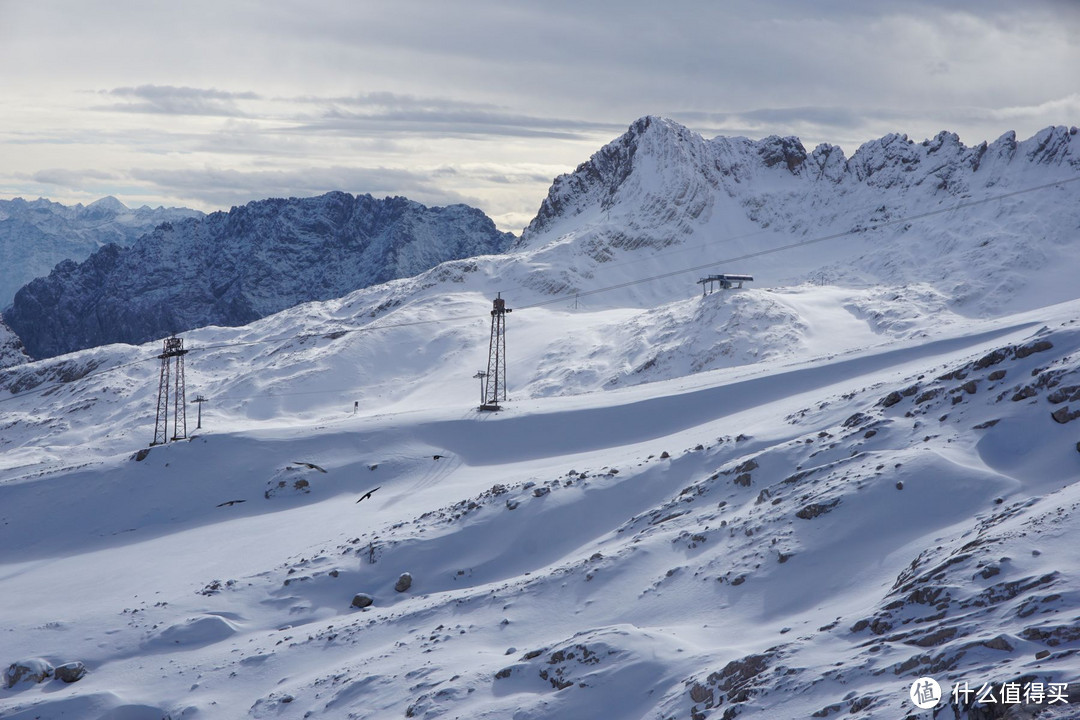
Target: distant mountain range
x,y
231,268
654,200
37,234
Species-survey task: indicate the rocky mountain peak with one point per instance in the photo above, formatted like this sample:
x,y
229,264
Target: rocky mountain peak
x,y
231,268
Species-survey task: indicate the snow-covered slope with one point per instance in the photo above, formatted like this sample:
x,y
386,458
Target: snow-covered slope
x,y
35,235
788,501
785,538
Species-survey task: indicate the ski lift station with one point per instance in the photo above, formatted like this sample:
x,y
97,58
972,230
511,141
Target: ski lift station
x,y
724,281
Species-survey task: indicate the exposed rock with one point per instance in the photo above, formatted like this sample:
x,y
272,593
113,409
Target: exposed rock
x,y
928,395
813,510
1063,415
856,420
1001,642
1053,635
1032,348
404,582
996,375
891,399
289,481
70,672
31,670
748,466
1070,393
937,637
993,358
701,694
880,626
362,600
1024,393
735,678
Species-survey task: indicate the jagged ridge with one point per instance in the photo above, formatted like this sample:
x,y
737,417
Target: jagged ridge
x,y
233,268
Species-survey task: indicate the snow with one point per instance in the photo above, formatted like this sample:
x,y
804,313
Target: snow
x,y
812,496
181,606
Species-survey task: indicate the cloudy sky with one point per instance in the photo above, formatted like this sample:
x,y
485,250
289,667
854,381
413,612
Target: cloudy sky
x,y
212,104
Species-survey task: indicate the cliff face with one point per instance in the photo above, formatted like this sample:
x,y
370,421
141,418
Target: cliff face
x,y
232,268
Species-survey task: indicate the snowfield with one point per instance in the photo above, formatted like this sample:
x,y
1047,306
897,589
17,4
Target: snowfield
x,y
786,501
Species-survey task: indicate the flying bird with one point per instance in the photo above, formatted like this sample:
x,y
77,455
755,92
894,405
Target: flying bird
x,y
366,495
313,466
230,502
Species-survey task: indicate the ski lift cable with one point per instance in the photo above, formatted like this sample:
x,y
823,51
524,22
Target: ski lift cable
x,y
802,243
576,294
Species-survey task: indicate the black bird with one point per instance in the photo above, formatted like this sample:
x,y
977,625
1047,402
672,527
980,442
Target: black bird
x,y
312,466
366,495
231,502
436,457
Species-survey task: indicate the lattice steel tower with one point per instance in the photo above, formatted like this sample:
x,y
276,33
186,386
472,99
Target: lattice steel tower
x,y
172,355
495,380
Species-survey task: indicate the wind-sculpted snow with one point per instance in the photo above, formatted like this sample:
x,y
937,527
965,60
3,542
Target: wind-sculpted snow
x,y
233,268
36,235
800,537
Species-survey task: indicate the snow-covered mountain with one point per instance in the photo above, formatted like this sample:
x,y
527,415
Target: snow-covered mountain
x,y
693,201
235,267
788,501
35,235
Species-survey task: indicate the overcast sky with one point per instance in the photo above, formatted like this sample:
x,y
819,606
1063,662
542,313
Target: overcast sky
x,y
212,104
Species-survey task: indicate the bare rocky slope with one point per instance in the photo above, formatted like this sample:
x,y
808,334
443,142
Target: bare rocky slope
x,y
37,234
235,267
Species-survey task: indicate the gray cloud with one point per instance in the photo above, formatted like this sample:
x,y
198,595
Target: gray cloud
x,y
386,113
74,179
501,93
234,187
170,100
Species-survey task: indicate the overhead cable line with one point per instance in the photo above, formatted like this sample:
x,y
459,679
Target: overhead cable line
x,y
801,243
578,294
